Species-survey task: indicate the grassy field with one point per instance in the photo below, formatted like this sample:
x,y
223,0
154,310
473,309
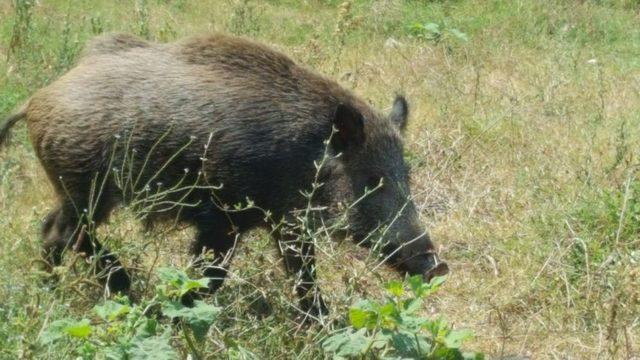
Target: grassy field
x,y
524,143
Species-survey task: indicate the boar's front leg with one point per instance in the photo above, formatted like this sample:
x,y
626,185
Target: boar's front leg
x,y
64,229
300,263
214,233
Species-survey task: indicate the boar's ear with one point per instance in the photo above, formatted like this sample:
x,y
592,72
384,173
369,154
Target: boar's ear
x,y
349,124
400,112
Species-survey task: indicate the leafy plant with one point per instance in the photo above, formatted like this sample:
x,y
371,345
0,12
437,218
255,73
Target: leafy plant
x,y
121,330
394,329
436,32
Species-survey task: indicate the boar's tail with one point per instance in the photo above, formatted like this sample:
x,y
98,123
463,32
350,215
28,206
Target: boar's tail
x,y
8,124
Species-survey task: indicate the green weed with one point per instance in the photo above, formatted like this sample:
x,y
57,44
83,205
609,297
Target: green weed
x,y
395,328
118,329
436,32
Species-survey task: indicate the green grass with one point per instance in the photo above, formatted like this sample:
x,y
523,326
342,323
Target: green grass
x,y
524,142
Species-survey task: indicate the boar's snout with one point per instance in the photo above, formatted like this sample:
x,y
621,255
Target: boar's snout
x,y
420,258
436,268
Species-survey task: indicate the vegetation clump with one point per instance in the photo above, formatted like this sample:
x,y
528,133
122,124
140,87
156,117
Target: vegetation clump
x,y
395,329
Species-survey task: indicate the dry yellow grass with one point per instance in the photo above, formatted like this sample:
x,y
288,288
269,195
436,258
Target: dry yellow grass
x,y
514,133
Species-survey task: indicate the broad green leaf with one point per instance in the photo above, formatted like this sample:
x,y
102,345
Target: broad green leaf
x,y
154,348
413,305
171,275
149,327
387,309
412,323
358,343
382,339
347,343
406,345
472,356
199,317
66,327
365,305
87,350
395,288
438,328
437,281
203,316
445,353
80,329
360,318
54,331
415,283
421,289
111,310
334,342
180,281
114,352
192,284
455,338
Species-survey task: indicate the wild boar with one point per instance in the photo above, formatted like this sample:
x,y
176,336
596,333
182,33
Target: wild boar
x,y
226,113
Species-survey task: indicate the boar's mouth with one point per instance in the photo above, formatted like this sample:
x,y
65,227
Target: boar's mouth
x,y
426,263
440,268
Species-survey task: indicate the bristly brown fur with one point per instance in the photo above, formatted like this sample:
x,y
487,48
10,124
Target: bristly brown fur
x,y
113,43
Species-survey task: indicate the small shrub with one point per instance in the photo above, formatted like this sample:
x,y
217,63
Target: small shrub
x,y
394,329
436,32
121,330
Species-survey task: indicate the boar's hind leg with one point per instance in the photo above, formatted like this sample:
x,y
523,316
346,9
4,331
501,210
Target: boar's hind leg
x,y
64,229
300,262
216,234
